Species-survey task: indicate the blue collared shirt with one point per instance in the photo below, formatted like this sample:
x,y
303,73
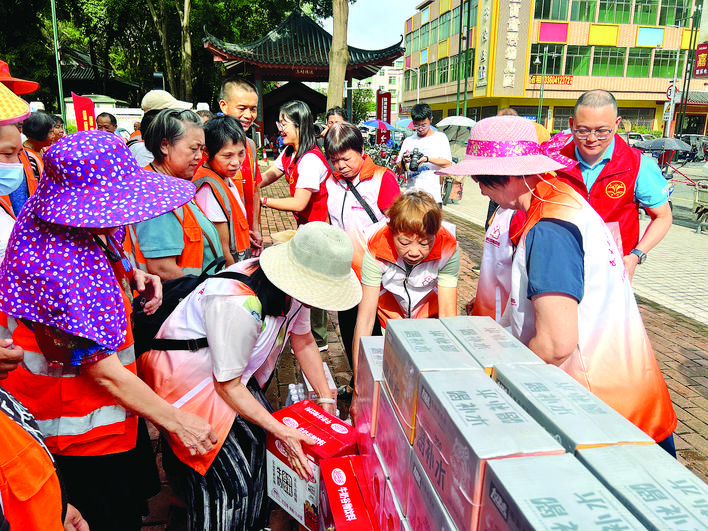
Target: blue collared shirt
x,y
651,189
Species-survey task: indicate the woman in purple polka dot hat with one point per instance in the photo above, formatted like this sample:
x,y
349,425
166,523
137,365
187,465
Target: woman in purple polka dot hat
x,y
66,289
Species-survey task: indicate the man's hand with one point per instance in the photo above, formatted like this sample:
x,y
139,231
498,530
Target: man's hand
x,y
256,242
469,307
74,521
10,357
630,264
150,287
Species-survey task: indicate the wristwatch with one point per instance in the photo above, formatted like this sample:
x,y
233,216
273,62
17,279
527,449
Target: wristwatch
x,y
639,254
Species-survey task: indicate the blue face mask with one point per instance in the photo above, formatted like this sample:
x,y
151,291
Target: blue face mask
x,y
11,176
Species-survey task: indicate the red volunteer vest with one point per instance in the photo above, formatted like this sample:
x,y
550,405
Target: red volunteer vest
x,y
612,195
316,209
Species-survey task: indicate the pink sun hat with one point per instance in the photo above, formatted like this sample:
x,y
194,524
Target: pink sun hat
x,y
92,180
508,145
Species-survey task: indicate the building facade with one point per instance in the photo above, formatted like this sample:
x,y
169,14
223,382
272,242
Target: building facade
x,y
495,53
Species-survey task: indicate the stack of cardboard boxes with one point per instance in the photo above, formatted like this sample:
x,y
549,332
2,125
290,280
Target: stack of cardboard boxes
x,y
461,427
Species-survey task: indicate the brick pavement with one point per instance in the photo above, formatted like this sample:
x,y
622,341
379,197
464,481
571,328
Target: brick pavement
x,y
680,344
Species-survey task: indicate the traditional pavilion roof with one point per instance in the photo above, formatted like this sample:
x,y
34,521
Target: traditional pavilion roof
x,y
298,49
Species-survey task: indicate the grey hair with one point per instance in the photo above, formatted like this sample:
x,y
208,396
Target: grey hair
x,y
596,98
170,125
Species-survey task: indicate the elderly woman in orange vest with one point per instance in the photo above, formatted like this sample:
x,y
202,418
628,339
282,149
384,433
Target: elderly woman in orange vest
x,y
66,289
183,241
220,187
410,267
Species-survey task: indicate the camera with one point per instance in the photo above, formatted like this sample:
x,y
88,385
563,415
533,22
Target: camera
x,y
415,155
319,128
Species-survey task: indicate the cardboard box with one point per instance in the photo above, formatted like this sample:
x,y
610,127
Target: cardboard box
x,y
393,445
655,487
551,492
376,475
424,509
333,438
464,421
368,379
392,517
310,393
412,347
366,392
567,410
488,342
343,496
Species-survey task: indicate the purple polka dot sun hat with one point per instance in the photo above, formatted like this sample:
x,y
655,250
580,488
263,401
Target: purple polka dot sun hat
x,y
92,180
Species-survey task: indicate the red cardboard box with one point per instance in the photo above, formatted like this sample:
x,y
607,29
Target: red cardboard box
x,y
344,496
333,438
392,517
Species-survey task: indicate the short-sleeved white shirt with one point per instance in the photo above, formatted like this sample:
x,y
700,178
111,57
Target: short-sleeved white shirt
x,y
311,171
435,146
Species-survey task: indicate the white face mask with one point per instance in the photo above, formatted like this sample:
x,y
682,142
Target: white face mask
x,y
11,176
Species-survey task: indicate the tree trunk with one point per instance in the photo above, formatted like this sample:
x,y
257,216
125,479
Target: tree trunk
x,y
161,27
186,84
338,54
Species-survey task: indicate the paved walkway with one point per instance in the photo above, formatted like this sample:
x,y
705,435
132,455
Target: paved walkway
x,y
669,297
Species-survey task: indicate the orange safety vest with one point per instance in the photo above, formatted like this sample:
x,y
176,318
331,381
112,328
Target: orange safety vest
x,y
75,415
7,205
247,178
29,170
29,485
236,218
413,295
192,257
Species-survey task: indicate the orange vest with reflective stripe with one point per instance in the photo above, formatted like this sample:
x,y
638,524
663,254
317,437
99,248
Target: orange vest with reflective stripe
x,y
237,222
247,178
192,257
29,486
29,171
76,416
413,294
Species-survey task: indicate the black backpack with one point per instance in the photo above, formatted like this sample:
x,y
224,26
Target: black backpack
x,y
146,327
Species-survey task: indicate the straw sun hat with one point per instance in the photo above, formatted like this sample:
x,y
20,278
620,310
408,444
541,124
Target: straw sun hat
x,y
314,267
508,145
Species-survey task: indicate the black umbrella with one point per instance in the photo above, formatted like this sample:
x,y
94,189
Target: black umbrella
x,y
663,144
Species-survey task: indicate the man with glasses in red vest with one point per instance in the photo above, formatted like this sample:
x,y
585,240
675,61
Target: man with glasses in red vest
x,y
615,178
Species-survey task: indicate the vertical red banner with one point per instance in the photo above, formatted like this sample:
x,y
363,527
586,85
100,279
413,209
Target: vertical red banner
x,y
85,113
383,112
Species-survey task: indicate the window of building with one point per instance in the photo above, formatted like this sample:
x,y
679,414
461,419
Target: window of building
x,y
615,11
470,63
608,61
423,76
382,73
554,59
675,13
455,28
443,66
425,16
424,36
577,61
453,67
434,30
393,92
583,10
408,42
407,80
399,63
444,31
639,117
473,14
638,62
645,11
391,80
531,111
414,41
551,9
665,63
560,118
432,74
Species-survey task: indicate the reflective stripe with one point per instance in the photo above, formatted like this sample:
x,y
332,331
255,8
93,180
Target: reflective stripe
x,y
104,416
188,396
36,363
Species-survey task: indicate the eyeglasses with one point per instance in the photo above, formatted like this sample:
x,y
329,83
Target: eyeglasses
x,y
282,124
600,134
420,127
